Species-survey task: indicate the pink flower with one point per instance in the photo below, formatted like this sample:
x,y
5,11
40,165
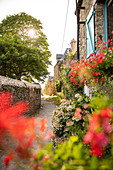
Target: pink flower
x,y
85,106
88,137
88,85
102,79
49,135
112,32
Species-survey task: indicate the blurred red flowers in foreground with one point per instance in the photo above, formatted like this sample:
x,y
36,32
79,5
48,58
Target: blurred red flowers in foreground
x,y
98,135
20,128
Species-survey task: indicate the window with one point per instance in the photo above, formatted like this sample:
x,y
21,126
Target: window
x,y
90,33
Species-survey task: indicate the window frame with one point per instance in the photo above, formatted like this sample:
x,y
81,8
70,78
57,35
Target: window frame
x,y
89,17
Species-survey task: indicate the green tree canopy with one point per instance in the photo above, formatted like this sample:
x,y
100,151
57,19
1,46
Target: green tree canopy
x,y
24,52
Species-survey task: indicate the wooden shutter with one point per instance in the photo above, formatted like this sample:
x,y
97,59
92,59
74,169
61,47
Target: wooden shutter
x,y
90,33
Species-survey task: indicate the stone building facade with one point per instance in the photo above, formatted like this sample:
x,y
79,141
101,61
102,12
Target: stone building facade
x,y
65,59
57,70
50,86
94,23
22,91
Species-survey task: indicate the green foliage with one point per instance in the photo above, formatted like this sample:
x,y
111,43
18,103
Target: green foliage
x,y
55,99
23,56
58,85
71,155
100,102
60,94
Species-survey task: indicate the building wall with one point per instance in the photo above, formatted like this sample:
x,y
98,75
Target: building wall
x,y
99,24
22,91
49,88
57,71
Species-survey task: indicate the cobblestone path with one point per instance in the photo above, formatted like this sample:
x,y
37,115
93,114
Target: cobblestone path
x,y
46,111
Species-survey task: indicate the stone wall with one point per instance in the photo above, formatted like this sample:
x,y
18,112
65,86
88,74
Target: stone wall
x,y
99,23
22,92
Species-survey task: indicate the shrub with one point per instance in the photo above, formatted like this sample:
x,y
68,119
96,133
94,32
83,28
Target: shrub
x,y
69,89
96,71
73,154
58,85
71,118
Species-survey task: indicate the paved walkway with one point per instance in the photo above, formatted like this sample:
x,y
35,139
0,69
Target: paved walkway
x,y
46,111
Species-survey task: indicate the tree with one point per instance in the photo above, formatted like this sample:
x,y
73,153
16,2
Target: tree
x,y
24,52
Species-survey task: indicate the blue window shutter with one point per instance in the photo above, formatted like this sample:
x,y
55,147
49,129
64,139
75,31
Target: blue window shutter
x,y
105,20
90,33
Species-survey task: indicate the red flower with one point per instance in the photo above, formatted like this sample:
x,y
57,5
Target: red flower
x,y
99,42
74,74
97,150
71,79
92,54
103,48
106,113
43,124
112,32
110,48
21,128
7,159
105,42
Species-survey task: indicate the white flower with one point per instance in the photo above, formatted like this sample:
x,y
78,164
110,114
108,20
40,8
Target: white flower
x,y
78,96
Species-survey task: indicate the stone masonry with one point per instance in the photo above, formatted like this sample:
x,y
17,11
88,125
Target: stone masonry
x,y
22,91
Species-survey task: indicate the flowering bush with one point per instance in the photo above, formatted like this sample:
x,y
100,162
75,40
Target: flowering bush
x,y
71,118
96,69
73,154
100,131
68,89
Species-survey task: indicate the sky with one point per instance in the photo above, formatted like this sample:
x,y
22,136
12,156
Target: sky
x,y
52,14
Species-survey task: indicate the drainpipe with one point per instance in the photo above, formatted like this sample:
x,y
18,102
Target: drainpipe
x,y
77,12
78,34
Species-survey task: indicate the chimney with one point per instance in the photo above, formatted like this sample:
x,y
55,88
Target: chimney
x,y
73,46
